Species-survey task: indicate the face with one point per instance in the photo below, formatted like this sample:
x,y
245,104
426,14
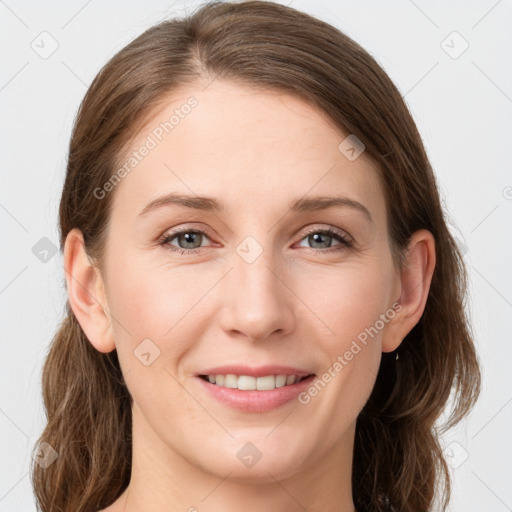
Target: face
x,y
267,282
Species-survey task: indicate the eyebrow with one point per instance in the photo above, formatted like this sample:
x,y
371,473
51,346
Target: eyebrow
x,y
212,205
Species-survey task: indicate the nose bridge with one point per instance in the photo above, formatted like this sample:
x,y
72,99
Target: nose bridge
x,y
259,302
255,265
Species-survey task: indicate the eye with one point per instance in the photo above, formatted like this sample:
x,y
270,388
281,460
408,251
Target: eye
x,y
323,237
190,240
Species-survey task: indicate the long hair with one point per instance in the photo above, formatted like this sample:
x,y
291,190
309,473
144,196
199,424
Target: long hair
x,y
398,461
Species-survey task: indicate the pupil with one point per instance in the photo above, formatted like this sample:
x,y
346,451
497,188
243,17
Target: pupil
x,y
190,238
319,235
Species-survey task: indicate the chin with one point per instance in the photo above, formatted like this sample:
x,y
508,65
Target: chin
x,y
255,463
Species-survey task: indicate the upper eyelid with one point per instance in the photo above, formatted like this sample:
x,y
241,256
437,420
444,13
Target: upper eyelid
x,y
340,232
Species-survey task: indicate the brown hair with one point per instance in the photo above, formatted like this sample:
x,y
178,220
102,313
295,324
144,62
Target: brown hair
x,y
398,460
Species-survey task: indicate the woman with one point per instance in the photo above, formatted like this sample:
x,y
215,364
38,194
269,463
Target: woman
x,y
266,307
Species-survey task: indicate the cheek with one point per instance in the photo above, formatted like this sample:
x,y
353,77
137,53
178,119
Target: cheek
x,y
169,306
151,301
346,300
153,326
349,304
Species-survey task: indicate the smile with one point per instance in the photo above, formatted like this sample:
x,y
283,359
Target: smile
x,y
252,394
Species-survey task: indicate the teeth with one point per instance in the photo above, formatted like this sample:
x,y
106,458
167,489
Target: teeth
x,y
266,383
246,382
230,381
280,381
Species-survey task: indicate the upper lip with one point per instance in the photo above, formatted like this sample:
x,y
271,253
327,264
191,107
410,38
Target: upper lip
x,y
259,371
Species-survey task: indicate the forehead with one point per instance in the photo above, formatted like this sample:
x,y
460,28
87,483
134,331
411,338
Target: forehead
x,y
244,146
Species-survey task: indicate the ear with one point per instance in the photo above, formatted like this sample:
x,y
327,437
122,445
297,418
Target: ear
x,y
415,279
86,293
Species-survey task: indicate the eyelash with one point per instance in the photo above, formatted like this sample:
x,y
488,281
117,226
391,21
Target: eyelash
x,y
345,241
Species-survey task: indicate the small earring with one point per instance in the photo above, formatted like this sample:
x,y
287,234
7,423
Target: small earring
x,y
396,358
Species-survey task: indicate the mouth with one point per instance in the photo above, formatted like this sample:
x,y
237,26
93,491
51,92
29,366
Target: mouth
x,y
251,393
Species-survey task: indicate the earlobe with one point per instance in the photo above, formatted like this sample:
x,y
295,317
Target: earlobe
x,y
416,277
86,293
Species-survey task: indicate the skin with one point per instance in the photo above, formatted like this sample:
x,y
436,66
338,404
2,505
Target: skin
x,y
256,152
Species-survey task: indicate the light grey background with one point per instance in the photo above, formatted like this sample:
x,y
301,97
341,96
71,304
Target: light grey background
x,y
463,109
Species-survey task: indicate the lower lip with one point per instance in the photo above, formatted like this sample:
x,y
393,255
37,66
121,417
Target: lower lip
x,y
255,400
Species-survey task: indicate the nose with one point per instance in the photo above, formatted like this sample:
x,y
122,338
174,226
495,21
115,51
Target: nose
x,y
257,300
